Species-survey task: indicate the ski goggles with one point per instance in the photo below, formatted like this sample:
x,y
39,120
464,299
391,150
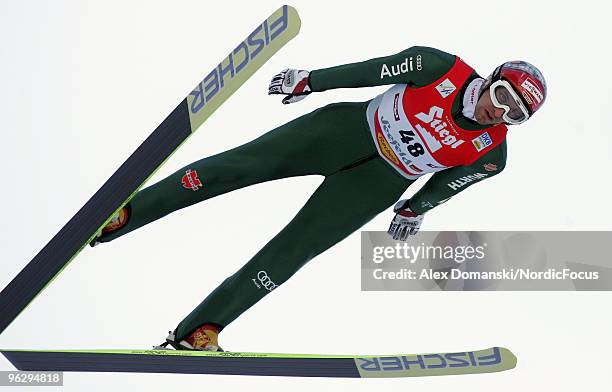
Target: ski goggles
x,y
504,97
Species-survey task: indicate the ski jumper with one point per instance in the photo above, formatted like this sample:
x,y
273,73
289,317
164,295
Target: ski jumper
x,y
368,152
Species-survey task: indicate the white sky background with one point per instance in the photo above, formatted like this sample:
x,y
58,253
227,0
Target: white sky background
x,y
83,84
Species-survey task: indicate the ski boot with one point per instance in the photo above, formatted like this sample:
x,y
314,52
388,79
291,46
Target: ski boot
x,y
117,222
204,338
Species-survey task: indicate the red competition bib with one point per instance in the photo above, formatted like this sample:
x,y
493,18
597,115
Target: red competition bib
x,y
415,131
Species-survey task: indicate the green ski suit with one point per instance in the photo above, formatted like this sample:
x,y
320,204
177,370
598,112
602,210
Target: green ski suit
x,y
333,141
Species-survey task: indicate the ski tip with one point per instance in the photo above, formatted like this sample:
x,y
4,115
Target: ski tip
x,y
508,357
491,360
293,17
293,14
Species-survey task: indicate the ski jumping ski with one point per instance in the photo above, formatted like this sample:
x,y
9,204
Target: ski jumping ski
x,y
495,359
242,62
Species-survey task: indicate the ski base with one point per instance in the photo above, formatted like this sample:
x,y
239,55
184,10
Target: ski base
x,y
495,359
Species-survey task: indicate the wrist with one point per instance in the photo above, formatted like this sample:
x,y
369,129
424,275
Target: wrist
x,y
402,205
408,213
310,83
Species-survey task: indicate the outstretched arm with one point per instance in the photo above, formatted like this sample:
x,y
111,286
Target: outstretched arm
x,y
447,183
440,187
416,66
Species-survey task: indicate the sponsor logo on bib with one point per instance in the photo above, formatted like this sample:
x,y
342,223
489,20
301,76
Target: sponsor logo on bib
x,y
386,149
415,168
435,122
446,88
483,141
396,115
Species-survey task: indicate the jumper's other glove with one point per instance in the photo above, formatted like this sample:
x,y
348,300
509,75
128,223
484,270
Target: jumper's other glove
x,y
405,223
293,83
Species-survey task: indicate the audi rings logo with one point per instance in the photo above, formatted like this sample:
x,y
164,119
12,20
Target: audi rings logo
x,y
265,281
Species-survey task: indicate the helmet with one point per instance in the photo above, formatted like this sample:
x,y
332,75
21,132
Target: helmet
x,y
526,80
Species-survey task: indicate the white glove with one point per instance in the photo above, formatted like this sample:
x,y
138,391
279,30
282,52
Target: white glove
x,y
293,83
405,223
